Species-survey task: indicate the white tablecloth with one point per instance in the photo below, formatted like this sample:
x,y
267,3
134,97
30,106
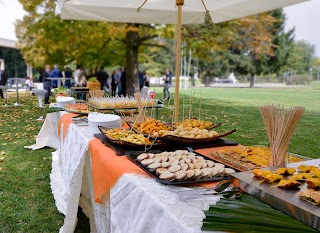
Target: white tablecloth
x,y
137,203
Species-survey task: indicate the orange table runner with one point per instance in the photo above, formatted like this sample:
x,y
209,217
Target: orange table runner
x,y
107,168
66,119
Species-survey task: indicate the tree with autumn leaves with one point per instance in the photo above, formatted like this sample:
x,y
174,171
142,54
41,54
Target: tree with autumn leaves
x,y
45,38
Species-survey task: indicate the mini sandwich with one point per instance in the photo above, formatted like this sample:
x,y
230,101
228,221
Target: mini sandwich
x,y
310,196
289,184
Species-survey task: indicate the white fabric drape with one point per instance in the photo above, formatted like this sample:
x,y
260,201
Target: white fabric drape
x,y
137,203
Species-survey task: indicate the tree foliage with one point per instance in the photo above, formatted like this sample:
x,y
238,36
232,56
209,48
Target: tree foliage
x,y
45,38
14,64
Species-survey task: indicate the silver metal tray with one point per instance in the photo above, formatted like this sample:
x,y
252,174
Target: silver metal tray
x,y
286,201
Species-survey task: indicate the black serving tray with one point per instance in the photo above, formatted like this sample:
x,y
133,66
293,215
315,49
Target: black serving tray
x,y
132,155
120,149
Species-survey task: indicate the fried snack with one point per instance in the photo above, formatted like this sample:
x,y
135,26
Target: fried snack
x,y
266,175
313,183
302,176
151,126
305,168
248,157
128,136
286,171
315,172
288,184
310,196
194,123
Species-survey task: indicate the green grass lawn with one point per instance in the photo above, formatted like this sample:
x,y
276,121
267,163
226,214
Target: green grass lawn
x,y
27,204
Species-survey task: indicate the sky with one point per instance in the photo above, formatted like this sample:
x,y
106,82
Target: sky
x,y
305,17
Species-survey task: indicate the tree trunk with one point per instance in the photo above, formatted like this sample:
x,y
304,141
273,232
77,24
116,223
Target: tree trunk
x,y
132,50
252,80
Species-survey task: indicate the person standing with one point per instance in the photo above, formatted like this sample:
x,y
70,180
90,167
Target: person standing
x,y
118,79
123,81
141,80
56,73
76,75
167,85
46,83
102,77
146,79
113,83
68,74
3,81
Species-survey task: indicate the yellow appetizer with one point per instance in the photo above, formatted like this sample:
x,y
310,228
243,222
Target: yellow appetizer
x,y
194,133
194,123
266,175
315,172
286,171
128,136
305,168
288,184
313,183
301,176
151,126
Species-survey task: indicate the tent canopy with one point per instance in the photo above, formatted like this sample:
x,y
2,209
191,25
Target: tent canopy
x,y
165,11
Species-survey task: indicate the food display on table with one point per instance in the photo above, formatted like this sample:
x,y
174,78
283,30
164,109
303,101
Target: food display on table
x,y
125,136
119,102
308,174
78,107
182,165
151,126
249,157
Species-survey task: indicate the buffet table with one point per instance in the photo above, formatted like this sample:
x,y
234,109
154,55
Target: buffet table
x,y
116,195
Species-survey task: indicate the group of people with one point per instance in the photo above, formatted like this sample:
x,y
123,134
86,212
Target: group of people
x,y
117,84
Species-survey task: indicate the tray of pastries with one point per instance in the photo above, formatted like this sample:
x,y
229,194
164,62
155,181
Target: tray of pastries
x,y
191,136
179,167
125,137
150,127
77,108
249,157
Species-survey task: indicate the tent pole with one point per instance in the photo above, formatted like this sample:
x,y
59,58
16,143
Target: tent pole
x,y
178,56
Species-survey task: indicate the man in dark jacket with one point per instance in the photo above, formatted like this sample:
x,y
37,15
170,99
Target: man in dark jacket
x,y
46,83
3,81
102,77
141,79
56,73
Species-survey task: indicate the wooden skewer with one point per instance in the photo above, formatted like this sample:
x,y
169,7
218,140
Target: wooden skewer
x,y
280,125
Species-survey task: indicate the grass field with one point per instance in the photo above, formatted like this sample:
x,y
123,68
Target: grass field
x,y
26,201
